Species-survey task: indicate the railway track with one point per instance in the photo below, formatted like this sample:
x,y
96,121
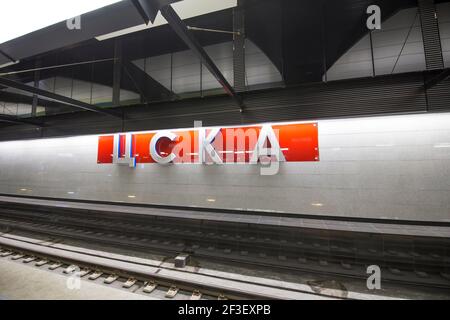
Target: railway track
x,y
139,276
113,276
407,261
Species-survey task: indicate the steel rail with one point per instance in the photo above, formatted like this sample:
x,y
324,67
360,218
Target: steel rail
x,y
206,284
68,228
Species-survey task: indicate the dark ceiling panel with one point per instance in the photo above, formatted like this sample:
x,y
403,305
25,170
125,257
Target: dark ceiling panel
x,y
135,46
302,38
112,18
316,33
148,9
187,36
80,44
163,39
16,120
263,25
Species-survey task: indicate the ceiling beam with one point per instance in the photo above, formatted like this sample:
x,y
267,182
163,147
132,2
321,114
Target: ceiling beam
x,y
147,9
182,31
13,97
7,57
437,79
76,103
16,120
115,17
149,88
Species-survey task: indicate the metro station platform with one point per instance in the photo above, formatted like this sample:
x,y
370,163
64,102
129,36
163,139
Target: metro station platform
x,y
325,223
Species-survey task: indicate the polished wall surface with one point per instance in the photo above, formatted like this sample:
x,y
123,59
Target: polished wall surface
x,y
395,167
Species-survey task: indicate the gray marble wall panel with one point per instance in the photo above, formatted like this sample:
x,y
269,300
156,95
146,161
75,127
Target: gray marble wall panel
x,y
395,167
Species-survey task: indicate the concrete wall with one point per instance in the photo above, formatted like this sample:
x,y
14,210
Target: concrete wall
x,y
395,167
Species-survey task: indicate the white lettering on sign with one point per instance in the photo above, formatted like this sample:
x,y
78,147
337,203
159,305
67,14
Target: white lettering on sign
x,y
266,136
206,147
268,145
128,150
162,159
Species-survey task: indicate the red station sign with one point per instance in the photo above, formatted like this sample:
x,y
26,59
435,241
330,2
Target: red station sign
x,y
283,142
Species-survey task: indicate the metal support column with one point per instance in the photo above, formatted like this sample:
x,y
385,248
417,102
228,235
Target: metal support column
x,y
117,75
34,104
239,47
